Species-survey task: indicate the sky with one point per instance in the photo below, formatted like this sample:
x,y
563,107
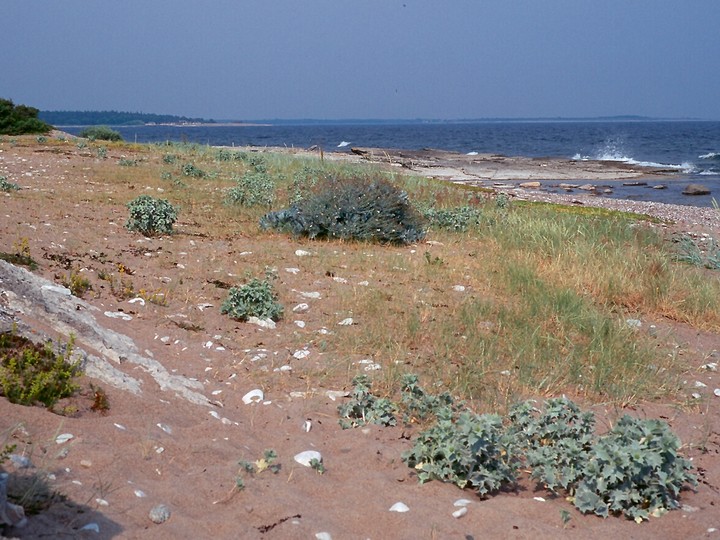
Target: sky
x,y
365,59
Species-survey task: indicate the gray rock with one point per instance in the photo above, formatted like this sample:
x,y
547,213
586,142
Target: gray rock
x,y
159,514
10,514
696,189
26,295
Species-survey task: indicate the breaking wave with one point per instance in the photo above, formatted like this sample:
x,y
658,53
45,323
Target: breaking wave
x,y
711,156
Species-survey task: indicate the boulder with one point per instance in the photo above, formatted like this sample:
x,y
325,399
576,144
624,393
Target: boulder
x,y
696,189
530,185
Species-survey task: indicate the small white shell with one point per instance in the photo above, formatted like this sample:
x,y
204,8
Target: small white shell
x,y
346,322
460,512
65,437
399,507
253,396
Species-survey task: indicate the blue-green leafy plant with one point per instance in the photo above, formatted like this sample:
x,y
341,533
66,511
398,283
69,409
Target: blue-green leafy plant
x,y
458,219
253,189
466,449
189,169
555,440
352,209
634,469
366,408
7,186
254,299
100,133
706,255
150,216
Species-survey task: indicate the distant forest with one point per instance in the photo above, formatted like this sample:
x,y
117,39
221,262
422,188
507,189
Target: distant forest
x,y
112,118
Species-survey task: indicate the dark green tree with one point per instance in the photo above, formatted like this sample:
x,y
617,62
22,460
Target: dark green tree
x,y
20,119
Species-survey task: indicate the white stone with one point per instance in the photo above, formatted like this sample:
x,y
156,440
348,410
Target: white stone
x,y
340,280
717,392
139,493
712,366
137,300
300,324
253,396
399,507
364,283
63,438
459,288
94,527
102,502
292,270
302,253
302,353
699,384
304,458
300,308
460,512
323,536
462,502
346,322
263,323
118,315
314,295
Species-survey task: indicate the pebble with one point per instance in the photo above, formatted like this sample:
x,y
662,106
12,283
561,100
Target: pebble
x,y
323,536
346,322
300,308
65,437
304,458
717,392
85,463
253,396
364,283
540,499
340,280
313,295
139,493
633,323
120,426
165,428
302,253
459,288
460,512
699,384
137,300
20,462
300,324
302,353
399,507
462,502
712,366
307,426
263,323
159,514
292,270
118,315
94,527
102,502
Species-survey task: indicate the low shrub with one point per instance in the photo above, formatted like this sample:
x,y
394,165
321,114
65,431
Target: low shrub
x,y
254,299
100,133
252,189
151,216
31,373
189,169
352,209
365,408
460,218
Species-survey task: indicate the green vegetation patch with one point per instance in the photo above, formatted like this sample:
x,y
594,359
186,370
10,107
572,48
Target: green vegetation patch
x,y
20,119
31,373
100,133
151,216
254,299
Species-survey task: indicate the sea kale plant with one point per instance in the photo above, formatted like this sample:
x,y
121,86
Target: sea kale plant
x,y
254,299
366,408
7,186
634,469
151,216
352,209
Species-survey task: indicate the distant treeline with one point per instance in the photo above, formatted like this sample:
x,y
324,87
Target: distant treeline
x,y
112,118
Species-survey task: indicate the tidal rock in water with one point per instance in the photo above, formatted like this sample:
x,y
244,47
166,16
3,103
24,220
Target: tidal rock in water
x,y
696,189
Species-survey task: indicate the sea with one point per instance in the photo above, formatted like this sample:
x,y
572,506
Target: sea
x,y
689,149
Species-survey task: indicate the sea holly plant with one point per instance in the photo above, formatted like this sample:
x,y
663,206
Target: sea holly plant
x,y
555,440
633,470
467,449
254,299
366,408
150,216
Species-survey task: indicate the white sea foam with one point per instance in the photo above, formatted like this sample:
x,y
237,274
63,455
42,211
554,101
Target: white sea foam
x,y
710,155
620,158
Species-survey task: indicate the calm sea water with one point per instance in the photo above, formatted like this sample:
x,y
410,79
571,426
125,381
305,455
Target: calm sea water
x,y
692,148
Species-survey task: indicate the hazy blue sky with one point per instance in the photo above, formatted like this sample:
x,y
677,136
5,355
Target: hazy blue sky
x,y
255,59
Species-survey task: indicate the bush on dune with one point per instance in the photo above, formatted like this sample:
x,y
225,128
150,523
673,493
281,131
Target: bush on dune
x,y
352,209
